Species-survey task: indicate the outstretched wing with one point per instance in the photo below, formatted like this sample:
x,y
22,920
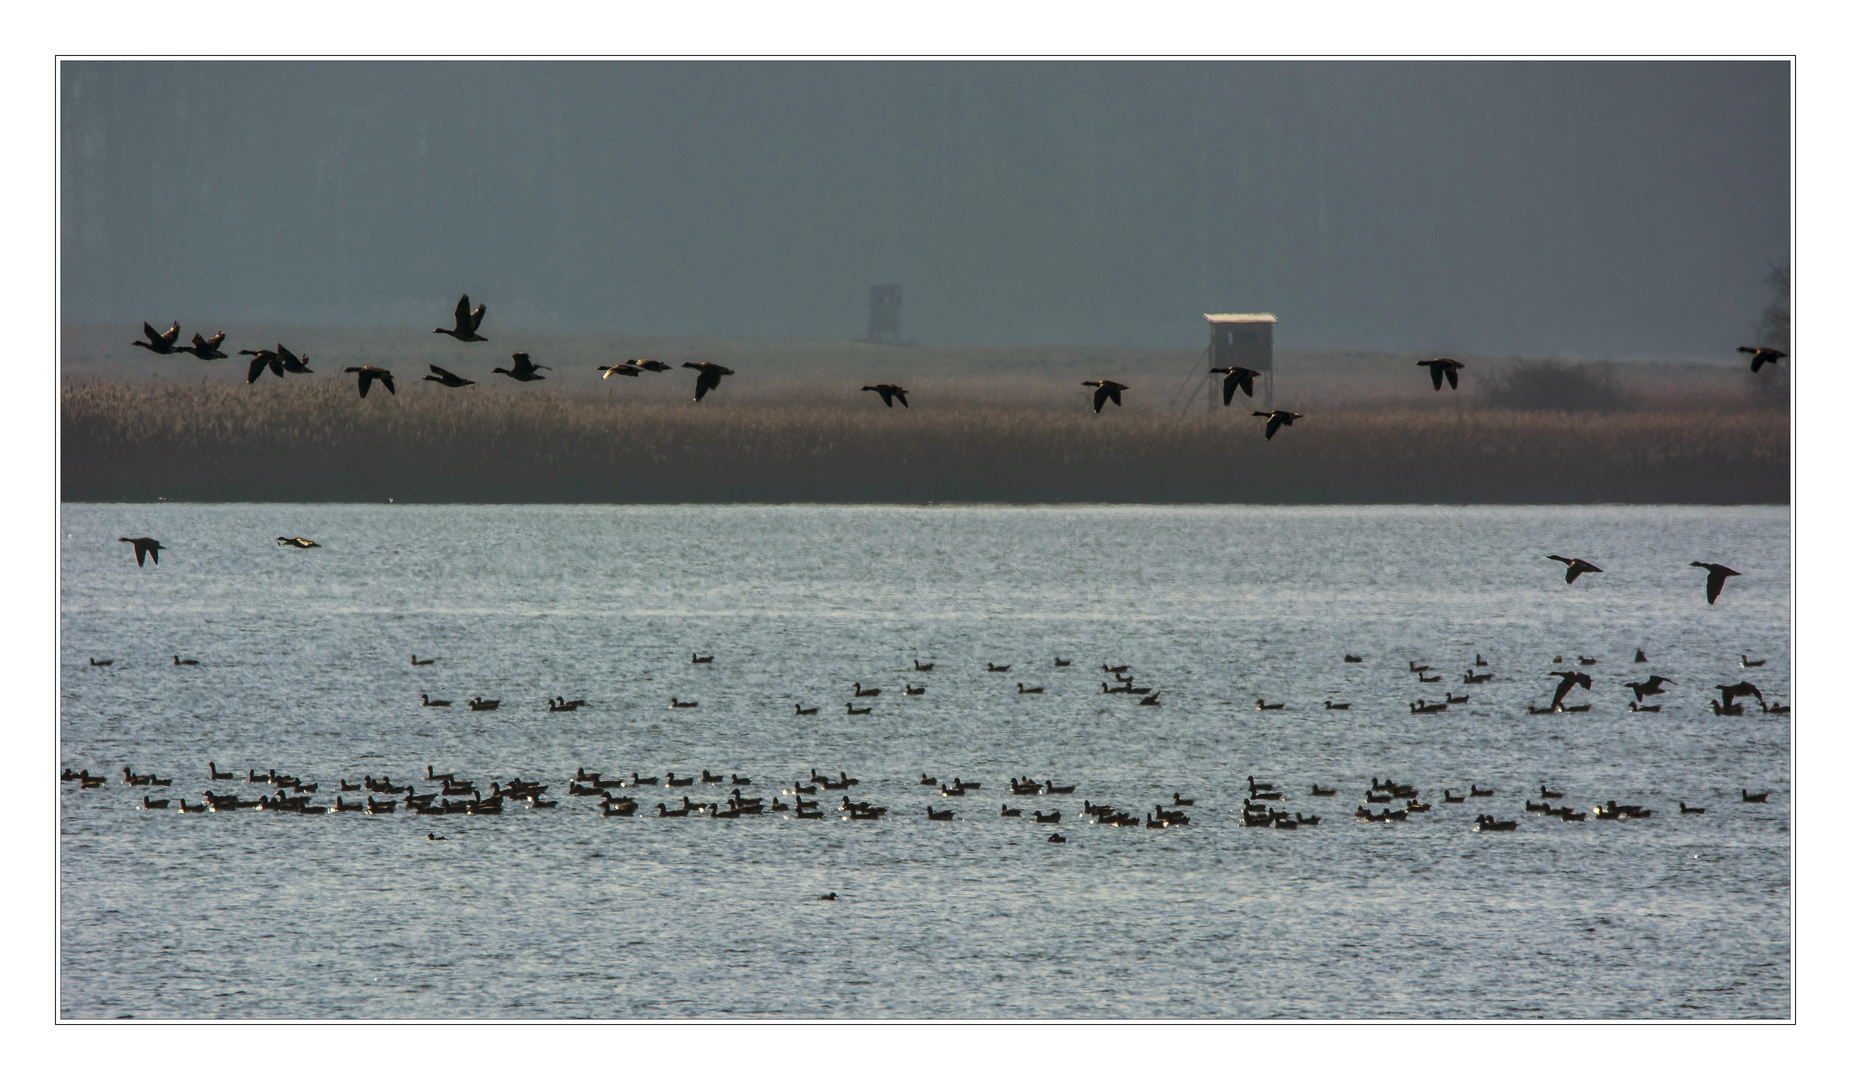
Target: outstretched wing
x,y
386,378
462,315
155,335
1714,586
258,362
475,317
1228,386
1434,370
901,394
1452,377
171,335
1272,425
886,393
366,381
1574,571
1099,397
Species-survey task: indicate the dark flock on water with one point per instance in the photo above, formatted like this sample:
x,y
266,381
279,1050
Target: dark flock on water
x,y
468,320
615,795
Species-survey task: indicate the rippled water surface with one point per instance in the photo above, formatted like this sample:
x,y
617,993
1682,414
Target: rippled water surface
x,y
559,913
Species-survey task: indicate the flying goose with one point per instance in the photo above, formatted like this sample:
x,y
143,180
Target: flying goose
x,y
1740,689
206,348
368,373
1238,378
1442,367
1278,417
1762,354
1718,574
145,547
1577,567
439,375
160,343
1570,680
1653,685
811,711
295,365
296,542
1106,389
709,378
264,358
524,369
467,321
625,368
888,392
647,365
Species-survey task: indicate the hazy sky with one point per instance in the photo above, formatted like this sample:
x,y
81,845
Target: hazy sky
x,y
1622,209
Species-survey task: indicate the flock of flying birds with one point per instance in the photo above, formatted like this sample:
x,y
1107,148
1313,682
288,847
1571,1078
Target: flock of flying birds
x,y
280,362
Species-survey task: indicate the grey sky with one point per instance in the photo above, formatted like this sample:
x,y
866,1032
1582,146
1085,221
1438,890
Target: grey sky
x,y
1622,209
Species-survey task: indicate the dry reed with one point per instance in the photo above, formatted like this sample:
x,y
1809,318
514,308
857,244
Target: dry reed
x,y
316,441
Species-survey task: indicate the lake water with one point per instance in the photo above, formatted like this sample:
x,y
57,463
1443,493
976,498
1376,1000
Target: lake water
x,y
562,913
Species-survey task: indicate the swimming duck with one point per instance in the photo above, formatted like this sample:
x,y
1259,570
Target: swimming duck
x,y
1682,809
938,815
185,663
1106,388
1056,838
1047,819
1329,704
1150,699
94,662
1448,796
811,711
415,662
524,369
677,703
1471,677
1020,689
1635,707
368,373
1762,797
1352,658
1322,791
1058,662
160,342
1276,418
697,658
1547,794
709,378
888,392
871,692
915,691
1260,703
1776,709
852,711
1747,663
1718,575
997,667
917,666
479,704
1442,367
145,547
447,378
467,322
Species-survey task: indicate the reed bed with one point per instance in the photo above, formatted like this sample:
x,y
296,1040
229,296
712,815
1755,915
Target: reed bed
x,y
316,441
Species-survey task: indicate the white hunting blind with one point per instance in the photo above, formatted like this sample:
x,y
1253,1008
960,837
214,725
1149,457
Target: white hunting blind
x,y
1244,341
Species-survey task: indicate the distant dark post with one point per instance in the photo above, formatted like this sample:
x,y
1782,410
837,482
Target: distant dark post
x,y
884,313
1245,341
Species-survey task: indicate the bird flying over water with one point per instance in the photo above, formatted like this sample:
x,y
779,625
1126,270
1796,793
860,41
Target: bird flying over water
x,y
888,392
447,378
1653,685
1762,355
1570,680
144,546
296,542
368,373
1741,689
159,342
524,369
1238,378
1277,417
466,321
709,376
1442,367
1577,567
1718,574
206,348
1106,389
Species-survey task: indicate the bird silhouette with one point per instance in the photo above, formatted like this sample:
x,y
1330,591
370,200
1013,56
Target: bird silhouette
x,y
888,392
709,378
264,358
296,542
648,365
1740,689
1577,567
625,368
1106,389
1570,680
1762,355
1718,574
447,378
144,547
1238,378
295,365
524,369
1442,367
161,343
1278,417
206,348
1653,685
368,373
467,321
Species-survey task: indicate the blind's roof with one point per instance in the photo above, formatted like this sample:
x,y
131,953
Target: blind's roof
x,y
1263,316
